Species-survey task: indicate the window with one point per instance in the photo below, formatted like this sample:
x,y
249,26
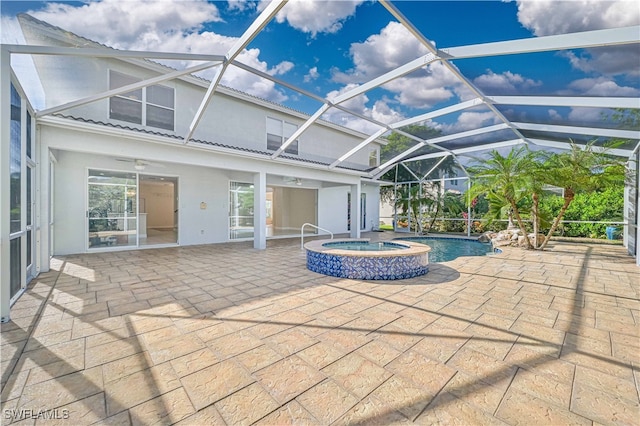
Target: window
x,y
152,106
15,165
278,132
373,158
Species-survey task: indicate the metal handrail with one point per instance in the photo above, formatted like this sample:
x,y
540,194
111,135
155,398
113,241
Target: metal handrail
x,y
313,226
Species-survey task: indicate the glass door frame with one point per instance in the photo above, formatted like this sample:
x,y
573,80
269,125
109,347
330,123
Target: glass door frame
x,y
30,224
176,203
126,218
175,180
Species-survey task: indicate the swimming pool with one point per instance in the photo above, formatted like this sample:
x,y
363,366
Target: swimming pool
x,y
444,249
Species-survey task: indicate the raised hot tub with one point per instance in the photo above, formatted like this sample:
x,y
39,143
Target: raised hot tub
x,y
365,260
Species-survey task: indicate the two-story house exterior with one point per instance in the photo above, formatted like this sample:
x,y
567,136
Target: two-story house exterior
x,y
97,169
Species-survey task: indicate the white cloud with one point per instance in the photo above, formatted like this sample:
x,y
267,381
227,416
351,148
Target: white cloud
x,y
554,115
472,120
427,88
548,17
358,105
380,53
583,116
167,25
619,60
601,86
313,74
142,24
281,68
394,46
504,83
241,5
385,114
317,16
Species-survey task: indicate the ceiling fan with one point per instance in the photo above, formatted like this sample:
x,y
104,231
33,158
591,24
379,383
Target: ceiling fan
x,y
139,164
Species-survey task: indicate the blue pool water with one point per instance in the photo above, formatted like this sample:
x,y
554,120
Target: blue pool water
x,y
365,246
446,249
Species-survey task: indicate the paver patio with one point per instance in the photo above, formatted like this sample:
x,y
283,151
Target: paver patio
x,y
225,334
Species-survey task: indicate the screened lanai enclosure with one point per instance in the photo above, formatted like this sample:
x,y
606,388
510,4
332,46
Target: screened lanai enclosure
x,y
422,87
447,94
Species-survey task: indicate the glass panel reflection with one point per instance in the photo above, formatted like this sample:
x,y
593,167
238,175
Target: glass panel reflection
x,y
240,210
112,209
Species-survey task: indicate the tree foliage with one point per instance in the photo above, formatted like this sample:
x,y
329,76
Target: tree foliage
x,y
519,178
505,181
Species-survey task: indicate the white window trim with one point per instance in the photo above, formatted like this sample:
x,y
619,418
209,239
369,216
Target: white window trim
x,y
143,102
283,139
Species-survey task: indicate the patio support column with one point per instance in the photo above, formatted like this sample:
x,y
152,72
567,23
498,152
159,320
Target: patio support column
x,y
636,181
5,188
356,190
260,210
469,218
44,203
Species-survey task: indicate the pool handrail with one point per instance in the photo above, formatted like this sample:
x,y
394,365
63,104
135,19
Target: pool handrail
x,y
313,226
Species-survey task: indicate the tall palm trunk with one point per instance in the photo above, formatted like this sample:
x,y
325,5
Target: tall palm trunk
x,y
516,213
568,198
536,219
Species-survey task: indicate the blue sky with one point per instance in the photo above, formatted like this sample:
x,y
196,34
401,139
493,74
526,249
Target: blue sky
x,y
328,47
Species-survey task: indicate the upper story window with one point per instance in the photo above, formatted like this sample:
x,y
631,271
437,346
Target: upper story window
x,y
374,157
150,106
278,131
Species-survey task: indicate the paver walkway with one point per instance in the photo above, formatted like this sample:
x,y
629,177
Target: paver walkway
x,y
225,334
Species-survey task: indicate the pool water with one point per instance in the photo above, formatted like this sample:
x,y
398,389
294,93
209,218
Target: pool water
x,y
446,249
365,246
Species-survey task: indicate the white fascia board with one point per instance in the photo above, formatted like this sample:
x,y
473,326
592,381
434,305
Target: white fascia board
x,y
106,52
385,78
566,145
128,88
90,128
581,40
437,113
589,131
567,101
357,148
300,130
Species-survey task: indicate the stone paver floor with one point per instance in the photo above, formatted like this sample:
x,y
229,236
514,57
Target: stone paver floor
x,y
225,334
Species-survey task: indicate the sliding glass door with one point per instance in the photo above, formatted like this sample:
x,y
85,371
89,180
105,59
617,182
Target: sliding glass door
x,y
240,210
112,209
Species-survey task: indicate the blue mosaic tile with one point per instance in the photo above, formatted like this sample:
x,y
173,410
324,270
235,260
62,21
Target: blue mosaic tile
x,y
368,268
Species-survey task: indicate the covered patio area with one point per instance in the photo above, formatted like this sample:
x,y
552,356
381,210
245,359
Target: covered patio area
x,y
226,334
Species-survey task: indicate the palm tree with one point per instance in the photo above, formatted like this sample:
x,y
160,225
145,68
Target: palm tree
x,y
505,181
581,169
